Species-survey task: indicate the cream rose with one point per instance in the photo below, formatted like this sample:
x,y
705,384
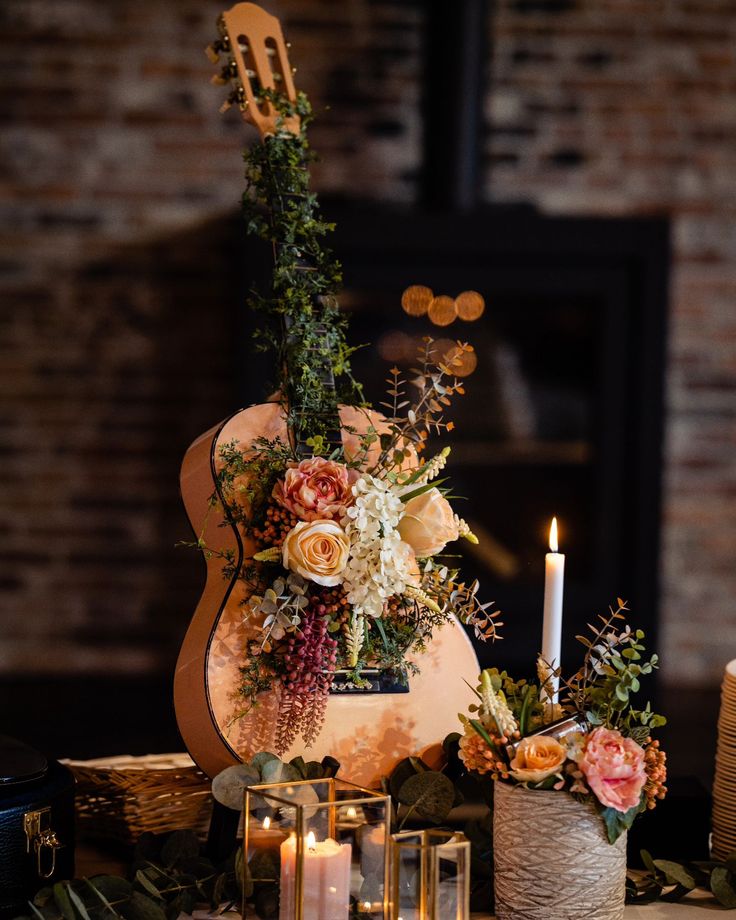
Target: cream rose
x,y
428,523
317,550
537,758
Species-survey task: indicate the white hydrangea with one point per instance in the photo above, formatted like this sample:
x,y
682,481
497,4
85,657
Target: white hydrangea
x,y
380,563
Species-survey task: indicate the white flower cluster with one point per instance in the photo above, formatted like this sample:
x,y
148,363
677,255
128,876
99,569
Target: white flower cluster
x,y
380,562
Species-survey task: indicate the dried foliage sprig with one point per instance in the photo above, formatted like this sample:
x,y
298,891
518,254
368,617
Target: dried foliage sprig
x,y
613,664
437,383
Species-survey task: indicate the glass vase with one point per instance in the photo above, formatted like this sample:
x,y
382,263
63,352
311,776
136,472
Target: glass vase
x,y
315,850
430,875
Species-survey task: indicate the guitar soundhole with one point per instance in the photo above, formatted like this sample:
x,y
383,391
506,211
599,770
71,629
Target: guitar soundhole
x,y
372,680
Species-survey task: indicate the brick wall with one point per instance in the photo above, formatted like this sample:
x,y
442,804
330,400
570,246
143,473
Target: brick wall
x,y
117,172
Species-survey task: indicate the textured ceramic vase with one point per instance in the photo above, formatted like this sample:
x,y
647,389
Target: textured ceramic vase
x,y
553,860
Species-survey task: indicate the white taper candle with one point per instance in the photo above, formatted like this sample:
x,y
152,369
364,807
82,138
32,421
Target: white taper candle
x,y
554,579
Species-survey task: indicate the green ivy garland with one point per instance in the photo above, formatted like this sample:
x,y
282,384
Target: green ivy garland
x,y
310,337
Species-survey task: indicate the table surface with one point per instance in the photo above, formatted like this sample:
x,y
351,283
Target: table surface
x,y
694,907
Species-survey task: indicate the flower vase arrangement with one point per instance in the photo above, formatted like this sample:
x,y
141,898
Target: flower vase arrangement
x,y
571,776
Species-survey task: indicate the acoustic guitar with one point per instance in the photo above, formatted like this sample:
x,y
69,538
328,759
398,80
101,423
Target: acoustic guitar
x,y
368,729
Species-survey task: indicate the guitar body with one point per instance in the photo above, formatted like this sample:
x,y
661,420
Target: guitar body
x,y
367,732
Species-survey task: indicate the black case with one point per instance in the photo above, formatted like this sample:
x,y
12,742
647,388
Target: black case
x,y
36,824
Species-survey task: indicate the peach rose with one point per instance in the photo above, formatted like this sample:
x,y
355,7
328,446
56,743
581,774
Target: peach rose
x,y
317,550
537,758
316,489
428,523
613,767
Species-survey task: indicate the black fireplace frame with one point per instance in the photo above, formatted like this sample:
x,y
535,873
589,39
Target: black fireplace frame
x,y
625,260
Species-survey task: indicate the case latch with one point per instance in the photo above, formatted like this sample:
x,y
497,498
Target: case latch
x,y
41,840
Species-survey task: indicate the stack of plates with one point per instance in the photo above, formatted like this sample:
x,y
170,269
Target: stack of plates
x,y
724,786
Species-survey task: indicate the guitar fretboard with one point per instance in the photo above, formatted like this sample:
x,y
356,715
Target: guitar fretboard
x,y
316,412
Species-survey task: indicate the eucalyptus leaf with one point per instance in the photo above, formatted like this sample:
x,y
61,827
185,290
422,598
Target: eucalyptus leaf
x,y
676,873
674,894
179,846
404,769
63,901
430,794
314,770
299,764
261,759
722,886
78,902
228,787
145,882
43,896
105,890
277,772
330,766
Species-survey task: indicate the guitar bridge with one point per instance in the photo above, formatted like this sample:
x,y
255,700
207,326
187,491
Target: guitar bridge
x,y
370,680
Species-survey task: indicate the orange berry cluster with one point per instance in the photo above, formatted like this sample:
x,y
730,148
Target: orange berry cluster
x,y
477,756
655,766
331,603
277,524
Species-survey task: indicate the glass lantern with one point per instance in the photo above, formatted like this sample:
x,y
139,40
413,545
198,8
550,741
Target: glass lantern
x,y
315,850
430,875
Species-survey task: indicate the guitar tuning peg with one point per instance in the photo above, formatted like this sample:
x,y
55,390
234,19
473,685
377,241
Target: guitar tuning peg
x,y
236,97
212,54
225,75
293,70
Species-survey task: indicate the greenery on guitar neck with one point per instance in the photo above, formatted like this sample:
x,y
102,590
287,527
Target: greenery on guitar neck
x,y
310,341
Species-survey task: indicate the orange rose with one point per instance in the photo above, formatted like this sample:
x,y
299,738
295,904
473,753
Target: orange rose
x,y
428,523
537,758
317,550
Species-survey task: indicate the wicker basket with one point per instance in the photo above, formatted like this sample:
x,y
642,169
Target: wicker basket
x,y
552,858
119,798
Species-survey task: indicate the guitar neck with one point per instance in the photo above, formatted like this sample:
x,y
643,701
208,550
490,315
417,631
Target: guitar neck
x,y
312,347
309,340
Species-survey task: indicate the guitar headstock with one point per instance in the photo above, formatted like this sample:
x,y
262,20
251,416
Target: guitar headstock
x,y
256,58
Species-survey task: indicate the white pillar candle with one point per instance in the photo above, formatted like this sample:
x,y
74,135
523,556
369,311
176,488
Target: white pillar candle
x,y
326,879
554,579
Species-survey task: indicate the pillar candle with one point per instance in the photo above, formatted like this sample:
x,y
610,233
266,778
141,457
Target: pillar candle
x,y
326,879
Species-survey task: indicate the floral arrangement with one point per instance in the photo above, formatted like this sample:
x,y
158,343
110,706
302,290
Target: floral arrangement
x,y
594,744
348,571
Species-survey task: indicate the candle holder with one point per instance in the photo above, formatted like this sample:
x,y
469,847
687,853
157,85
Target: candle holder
x,y
315,850
430,875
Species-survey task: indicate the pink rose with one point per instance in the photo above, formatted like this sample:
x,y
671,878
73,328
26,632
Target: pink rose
x,y
428,523
316,489
613,767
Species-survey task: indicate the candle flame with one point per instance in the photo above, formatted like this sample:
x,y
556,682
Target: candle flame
x,y
553,535
351,812
266,823
311,841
